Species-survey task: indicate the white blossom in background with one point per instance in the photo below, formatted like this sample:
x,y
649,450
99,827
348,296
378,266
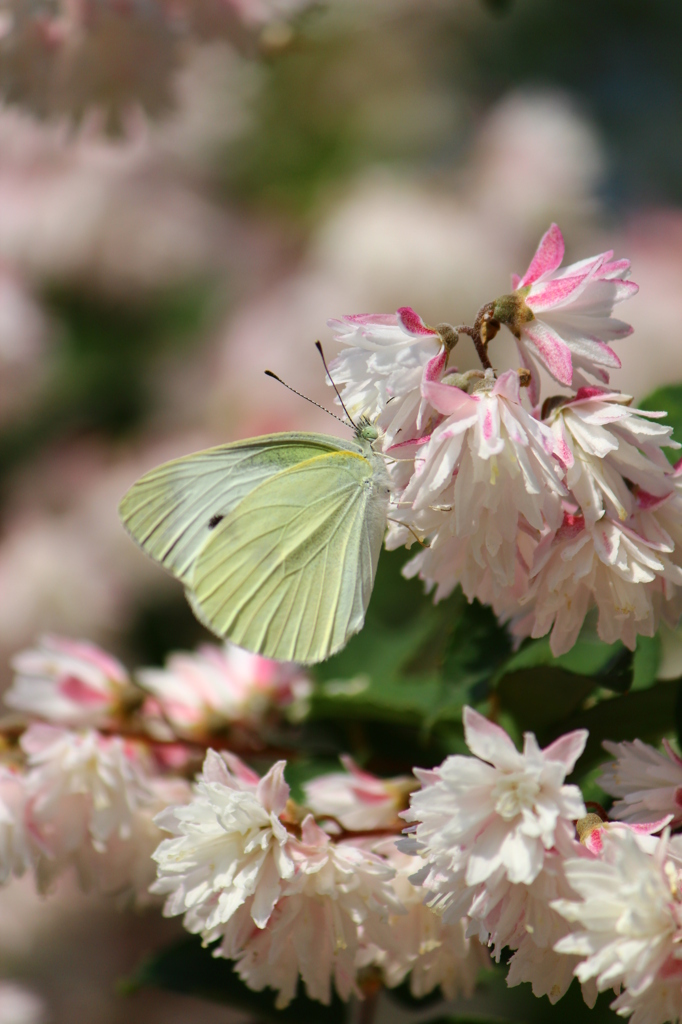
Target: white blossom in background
x,y
18,1005
83,790
205,691
629,927
602,442
356,799
125,869
68,682
497,810
380,373
646,781
15,851
562,318
611,565
486,471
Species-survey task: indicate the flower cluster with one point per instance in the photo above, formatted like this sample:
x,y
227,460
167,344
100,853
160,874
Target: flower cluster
x,y
99,753
97,776
63,56
498,850
543,510
287,893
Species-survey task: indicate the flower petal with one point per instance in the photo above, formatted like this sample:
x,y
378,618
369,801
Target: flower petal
x,y
547,258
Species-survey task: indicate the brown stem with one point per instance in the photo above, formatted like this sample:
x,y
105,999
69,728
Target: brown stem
x,y
485,327
369,1006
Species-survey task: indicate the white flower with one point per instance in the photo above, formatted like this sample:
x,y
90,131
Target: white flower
x,y
500,809
68,682
622,568
20,1006
228,845
356,799
381,371
203,692
630,927
434,953
521,917
15,854
647,781
486,471
603,443
340,895
83,790
125,869
563,317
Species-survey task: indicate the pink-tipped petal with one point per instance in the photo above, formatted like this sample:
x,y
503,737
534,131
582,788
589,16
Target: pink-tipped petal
x,y
449,400
273,791
312,834
648,828
434,368
594,842
488,741
554,293
412,323
567,749
548,256
507,386
554,353
238,768
77,690
379,319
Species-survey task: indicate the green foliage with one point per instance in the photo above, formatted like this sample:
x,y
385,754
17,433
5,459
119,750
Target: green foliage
x,y
394,696
670,399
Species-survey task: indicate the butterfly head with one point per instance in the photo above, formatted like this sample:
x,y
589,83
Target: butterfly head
x,y
366,430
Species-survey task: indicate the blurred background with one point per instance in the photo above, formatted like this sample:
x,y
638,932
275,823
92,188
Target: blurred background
x,y
188,190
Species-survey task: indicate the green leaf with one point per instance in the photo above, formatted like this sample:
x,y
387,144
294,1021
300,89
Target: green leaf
x,y
477,644
669,399
645,662
190,969
588,656
539,697
647,714
498,6
414,662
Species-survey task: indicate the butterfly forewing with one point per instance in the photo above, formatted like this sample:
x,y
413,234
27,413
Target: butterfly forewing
x,y
289,571
172,510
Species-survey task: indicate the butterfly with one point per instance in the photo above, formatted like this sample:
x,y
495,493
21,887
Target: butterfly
x,y
276,539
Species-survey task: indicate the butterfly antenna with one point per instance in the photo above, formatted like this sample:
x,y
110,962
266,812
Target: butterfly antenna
x,y
269,373
318,346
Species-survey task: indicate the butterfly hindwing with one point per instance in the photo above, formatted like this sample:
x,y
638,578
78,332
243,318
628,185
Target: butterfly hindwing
x,y
289,571
171,511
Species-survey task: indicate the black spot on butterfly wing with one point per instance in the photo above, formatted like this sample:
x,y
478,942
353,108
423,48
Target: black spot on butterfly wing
x,y
214,520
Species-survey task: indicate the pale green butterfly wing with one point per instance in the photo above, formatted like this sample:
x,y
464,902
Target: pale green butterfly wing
x,y
289,572
169,511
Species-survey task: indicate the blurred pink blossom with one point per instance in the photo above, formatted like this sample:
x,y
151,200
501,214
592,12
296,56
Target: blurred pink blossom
x,y
68,682
207,691
356,799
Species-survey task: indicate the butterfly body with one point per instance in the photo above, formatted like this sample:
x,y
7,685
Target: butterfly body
x,y
276,538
